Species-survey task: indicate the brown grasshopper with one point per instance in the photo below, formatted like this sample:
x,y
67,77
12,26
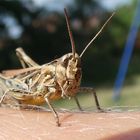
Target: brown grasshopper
x,y
39,84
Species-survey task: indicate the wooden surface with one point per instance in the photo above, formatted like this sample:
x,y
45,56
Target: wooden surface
x,y
40,125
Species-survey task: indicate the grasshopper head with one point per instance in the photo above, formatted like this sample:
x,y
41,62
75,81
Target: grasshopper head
x,y
72,65
68,73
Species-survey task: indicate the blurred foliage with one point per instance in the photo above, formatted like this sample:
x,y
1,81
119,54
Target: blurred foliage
x,y
44,35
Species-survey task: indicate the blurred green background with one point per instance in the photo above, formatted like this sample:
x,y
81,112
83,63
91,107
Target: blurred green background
x,y
39,27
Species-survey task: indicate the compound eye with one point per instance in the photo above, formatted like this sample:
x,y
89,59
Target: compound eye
x,y
65,62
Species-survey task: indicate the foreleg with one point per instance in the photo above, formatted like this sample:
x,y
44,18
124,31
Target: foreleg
x,y
52,108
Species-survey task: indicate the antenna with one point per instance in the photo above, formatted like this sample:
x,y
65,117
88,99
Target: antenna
x,y
97,34
70,33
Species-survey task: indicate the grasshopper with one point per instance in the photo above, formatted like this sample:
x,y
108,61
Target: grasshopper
x,y
38,84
